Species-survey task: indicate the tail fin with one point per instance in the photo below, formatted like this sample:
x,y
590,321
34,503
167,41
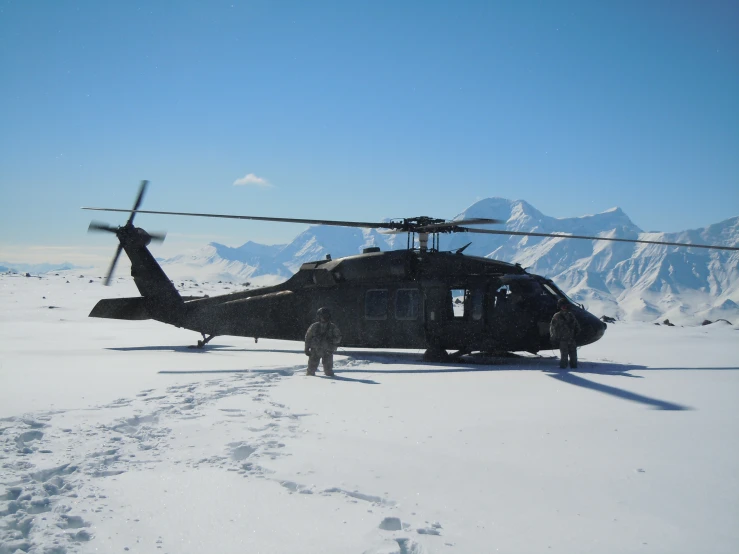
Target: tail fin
x,y
159,298
162,300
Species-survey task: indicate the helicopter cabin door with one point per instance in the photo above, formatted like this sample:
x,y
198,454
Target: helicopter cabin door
x,y
455,315
514,314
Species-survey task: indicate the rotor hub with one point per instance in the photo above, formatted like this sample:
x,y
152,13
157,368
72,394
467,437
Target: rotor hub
x,y
133,237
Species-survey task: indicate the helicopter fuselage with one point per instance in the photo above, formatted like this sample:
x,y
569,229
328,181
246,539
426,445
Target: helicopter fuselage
x,y
396,299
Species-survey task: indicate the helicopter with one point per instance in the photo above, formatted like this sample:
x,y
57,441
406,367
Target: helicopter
x,y
415,298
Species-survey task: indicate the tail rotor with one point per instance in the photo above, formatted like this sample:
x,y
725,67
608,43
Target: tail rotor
x,y
139,199
128,235
109,275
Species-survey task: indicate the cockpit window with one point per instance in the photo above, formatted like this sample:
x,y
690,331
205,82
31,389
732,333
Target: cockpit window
x,y
553,289
519,288
550,290
527,288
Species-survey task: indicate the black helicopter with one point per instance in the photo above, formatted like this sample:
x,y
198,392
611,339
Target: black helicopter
x,y
417,298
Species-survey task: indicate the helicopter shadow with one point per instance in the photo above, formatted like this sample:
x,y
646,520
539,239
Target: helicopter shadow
x,y
510,362
477,363
335,377
576,380
284,372
178,348
465,364
572,377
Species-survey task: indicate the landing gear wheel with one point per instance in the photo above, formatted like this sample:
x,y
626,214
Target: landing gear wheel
x,y
435,354
459,353
201,343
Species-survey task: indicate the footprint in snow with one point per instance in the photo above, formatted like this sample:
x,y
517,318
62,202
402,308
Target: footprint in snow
x,y
401,545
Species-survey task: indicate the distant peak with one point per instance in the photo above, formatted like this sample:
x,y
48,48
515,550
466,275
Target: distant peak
x,y
524,205
494,207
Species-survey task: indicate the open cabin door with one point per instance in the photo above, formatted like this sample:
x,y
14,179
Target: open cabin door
x,y
456,315
519,310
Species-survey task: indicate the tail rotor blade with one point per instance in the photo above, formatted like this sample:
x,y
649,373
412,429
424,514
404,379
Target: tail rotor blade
x,y
99,226
112,265
157,237
139,199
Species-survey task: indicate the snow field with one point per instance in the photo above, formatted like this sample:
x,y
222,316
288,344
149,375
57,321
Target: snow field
x,y
116,437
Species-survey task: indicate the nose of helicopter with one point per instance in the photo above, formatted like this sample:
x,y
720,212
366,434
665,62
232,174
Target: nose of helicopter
x,y
591,328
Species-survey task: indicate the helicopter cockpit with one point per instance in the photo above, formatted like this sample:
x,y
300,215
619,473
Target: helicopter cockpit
x,y
489,307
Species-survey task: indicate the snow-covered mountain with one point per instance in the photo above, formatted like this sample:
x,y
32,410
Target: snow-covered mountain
x,y
626,281
265,265
17,267
217,262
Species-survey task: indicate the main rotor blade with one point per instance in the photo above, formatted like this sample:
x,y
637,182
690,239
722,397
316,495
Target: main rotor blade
x,y
444,227
139,199
99,226
555,235
364,224
112,265
433,227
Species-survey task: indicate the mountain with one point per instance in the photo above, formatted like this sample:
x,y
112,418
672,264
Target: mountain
x,y
13,267
626,281
251,262
622,280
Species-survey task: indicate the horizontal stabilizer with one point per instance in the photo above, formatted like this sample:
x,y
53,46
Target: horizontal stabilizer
x,y
121,308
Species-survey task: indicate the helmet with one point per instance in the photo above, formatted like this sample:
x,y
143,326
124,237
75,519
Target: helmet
x,y
323,313
562,302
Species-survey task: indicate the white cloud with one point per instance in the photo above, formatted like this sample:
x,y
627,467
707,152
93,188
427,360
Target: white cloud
x,y
251,179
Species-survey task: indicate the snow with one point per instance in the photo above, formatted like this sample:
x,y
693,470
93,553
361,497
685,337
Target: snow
x,y
116,437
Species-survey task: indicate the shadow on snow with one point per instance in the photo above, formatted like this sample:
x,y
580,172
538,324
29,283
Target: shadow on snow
x,y
285,372
615,391
465,364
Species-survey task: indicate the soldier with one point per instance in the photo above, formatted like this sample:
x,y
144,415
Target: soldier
x,y
563,329
321,340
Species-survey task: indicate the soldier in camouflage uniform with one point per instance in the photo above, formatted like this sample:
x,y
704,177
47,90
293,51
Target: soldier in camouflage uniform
x,y
321,341
563,329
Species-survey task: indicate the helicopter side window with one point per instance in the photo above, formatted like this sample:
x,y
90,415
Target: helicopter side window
x,y
406,304
375,304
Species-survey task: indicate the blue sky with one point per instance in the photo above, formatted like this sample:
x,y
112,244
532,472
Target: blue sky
x,y
360,110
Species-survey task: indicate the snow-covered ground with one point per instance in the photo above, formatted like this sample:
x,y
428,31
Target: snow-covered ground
x,y
116,437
